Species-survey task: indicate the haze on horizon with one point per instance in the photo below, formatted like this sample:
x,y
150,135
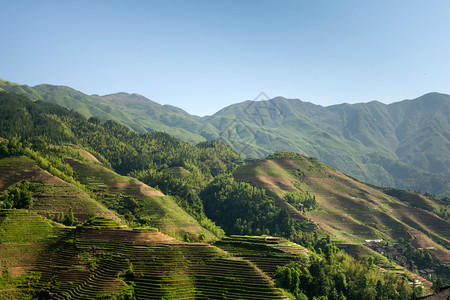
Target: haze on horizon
x,y
204,55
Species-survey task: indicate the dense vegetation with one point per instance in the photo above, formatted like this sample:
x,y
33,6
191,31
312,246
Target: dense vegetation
x,y
200,180
17,197
305,199
241,208
339,276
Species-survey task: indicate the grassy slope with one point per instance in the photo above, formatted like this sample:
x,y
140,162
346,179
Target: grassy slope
x,y
52,195
349,209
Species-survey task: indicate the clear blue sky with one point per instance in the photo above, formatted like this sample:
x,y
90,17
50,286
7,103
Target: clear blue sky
x,y
204,55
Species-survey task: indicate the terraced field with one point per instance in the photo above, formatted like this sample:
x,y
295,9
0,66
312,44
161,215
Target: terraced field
x,y
103,258
267,253
172,269
147,203
24,239
52,196
350,210
105,261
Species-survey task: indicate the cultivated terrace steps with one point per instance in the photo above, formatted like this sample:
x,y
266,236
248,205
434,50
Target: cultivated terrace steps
x,y
105,261
267,253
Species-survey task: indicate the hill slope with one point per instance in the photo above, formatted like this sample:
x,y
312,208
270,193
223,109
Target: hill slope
x,y
113,194
138,202
404,144
110,263
134,111
347,208
52,195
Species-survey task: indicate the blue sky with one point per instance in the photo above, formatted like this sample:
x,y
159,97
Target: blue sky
x,y
204,55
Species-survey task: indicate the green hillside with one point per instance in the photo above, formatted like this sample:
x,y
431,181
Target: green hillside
x,y
348,209
107,109
121,251
99,192
155,117
369,141
135,201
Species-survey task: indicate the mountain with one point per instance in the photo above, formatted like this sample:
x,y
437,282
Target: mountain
x,y
170,119
349,209
405,144
120,107
91,209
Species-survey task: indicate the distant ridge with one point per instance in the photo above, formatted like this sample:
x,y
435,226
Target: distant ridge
x,y
405,144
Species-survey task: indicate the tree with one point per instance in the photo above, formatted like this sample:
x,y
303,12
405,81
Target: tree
x,y
439,283
18,197
428,260
69,219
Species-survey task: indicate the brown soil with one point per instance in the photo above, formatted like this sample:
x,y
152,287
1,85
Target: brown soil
x,y
18,271
293,250
10,177
139,188
89,156
47,178
275,184
126,235
156,237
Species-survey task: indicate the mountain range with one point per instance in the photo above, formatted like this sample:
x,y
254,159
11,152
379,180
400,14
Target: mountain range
x,y
404,144
90,209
